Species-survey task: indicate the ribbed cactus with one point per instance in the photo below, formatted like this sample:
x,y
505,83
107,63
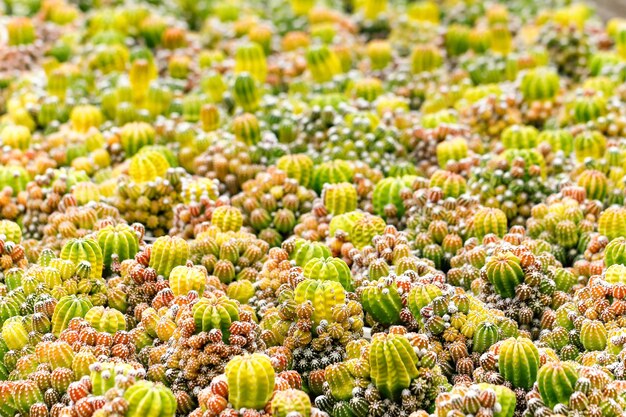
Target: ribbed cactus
x,y
246,92
215,313
589,144
11,231
344,222
382,302
187,278
250,381
392,364
250,58
456,40
329,269
14,333
84,249
365,229
324,296
595,183
452,185
246,129
387,194
147,166
486,335
16,137
519,137
340,198
504,397
136,135
25,394
102,375
340,381
291,401
612,222
227,218
518,361
306,250
489,220
322,63
425,57
147,399
167,253
105,319
559,140
593,335
556,382
505,273
66,309
420,296
540,84
298,167
120,240
332,172
615,252
85,116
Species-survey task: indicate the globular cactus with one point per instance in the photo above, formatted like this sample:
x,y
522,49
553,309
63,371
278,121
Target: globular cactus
x,y
344,222
11,231
84,249
615,252
136,135
595,183
392,364
58,354
103,375
612,222
250,58
520,137
14,177
486,335
241,290
452,184
246,129
298,167
505,273
227,218
456,39
16,137
556,382
425,58
540,84
213,312
21,31
489,220
105,319
593,335
250,381
306,250
451,150
323,295
332,172
365,229
85,116
147,399
379,53
518,362
420,296
14,333
505,398
587,107
167,253
329,269
558,139
291,401
147,166
387,198
25,394
340,198
382,301
185,278
120,240
589,144
340,381
67,308
246,92
323,63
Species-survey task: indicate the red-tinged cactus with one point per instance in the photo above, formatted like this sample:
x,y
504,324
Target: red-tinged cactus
x,y
329,269
120,241
67,308
505,273
290,401
324,297
340,198
59,354
556,382
250,381
392,364
382,301
518,362
80,250
215,313
167,253
147,399
25,394
504,397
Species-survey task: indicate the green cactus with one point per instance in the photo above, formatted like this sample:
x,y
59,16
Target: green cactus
x,y
291,401
167,253
185,278
340,198
78,250
556,382
382,302
329,269
120,240
66,309
387,193
215,313
505,273
392,364
250,381
298,167
486,335
147,399
105,319
306,250
518,361
324,295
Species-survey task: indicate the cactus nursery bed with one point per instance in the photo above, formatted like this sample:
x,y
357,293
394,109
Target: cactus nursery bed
x,y
312,208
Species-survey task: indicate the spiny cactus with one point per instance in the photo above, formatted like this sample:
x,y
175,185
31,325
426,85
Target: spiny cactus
x,y
518,361
250,381
392,364
167,253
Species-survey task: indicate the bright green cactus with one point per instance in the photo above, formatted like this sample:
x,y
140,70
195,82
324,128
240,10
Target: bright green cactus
x,y
306,250
612,222
519,137
215,313
387,195
420,296
298,167
250,381
344,222
136,135
340,198
452,185
540,84
105,319
120,240
486,335
505,273
227,218
332,172
14,333
392,364
66,309
382,302
329,269
78,250
11,231
340,381
556,382
518,361
489,220
167,253
593,335
147,399
324,295
365,229
615,252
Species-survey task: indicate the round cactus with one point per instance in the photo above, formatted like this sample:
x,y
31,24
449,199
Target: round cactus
x,y
246,129
136,135
388,195
333,172
344,222
329,269
291,401
340,198
14,333
11,231
147,399
518,360
340,381
167,253
250,58
593,335
365,228
298,167
148,166
615,252
558,139
425,57
324,296
504,397
595,184
505,273
79,250
84,117
215,313
556,382
540,84
305,251
456,40
382,302
489,220
120,240
184,278
250,381
452,185
105,319
520,137
420,296
246,92
227,218
392,364
16,137
322,63
486,335
67,308
612,222
25,394
589,144
14,177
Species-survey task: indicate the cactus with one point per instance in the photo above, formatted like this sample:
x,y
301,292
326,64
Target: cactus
x,y
392,364
120,240
184,278
67,308
387,193
227,218
333,172
291,401
489,220
167,253
365,229
305,251
25,394
16,137
340,198
147,166
250,58
486,335
14,177
556,382
505,273
593,335
298,167
595,184
615,252
340,381
136,135
215,313
21,31
322,63
79,250
612,222
14,333
540,84
329,269
11,231
424,58
504,397
250,381
382,302
520,137
246,129
559,140
344,222
452,185
147,399
246,92
105,319
324,296
420,296
518,361
589,144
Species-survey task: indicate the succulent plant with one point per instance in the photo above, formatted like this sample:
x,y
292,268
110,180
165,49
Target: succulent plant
x,y
329,269
250,381
518,361
323,295
67,308
392,364
556,382
291,401
84,250
167,253
120,241
215,313
146,398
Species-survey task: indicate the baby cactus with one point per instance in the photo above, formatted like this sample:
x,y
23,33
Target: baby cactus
x,y
298,167
489,220
556,382
187,278
136,135
505,273
291,401
215,313
11,231
120,240
324,296
332,172
147,399
84,249
250,381
67,308
227,218
387,198
105,319
518,361
382,302
340,198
